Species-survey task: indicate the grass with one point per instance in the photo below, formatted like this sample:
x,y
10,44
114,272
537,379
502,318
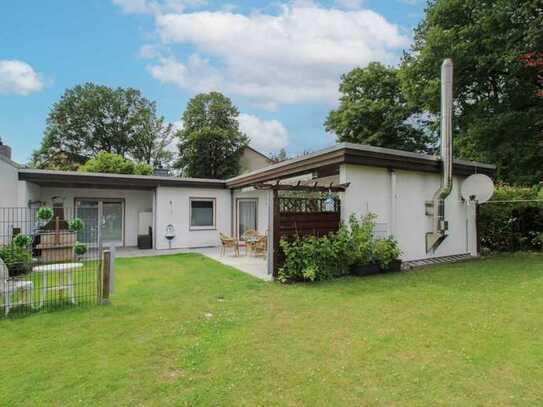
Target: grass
x,y
185,330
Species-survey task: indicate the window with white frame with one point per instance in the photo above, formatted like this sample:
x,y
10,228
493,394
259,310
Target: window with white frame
x,y
202,213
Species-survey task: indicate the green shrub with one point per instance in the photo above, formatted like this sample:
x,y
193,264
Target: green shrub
x,y
385,250
76,225
511,226
22,241
45,213
313,258
111,163
363,237
80,249
18,260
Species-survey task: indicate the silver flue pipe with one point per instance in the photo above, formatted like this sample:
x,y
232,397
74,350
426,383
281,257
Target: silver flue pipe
x,y
440,225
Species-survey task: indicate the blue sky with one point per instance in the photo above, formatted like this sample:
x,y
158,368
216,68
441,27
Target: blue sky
x,y
279,62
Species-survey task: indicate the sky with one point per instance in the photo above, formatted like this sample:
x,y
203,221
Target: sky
x,y
279,61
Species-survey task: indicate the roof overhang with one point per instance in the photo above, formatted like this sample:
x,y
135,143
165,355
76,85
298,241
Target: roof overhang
x,y
358,154
70,179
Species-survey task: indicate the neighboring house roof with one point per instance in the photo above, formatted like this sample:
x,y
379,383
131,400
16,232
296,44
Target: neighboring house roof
x,y
69,179
362,154
10,161
260,154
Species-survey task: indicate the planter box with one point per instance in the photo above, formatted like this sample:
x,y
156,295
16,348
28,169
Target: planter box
x,y
369,269
64,238
57,247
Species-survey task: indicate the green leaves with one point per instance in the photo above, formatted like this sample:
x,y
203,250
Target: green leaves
x,y
89,119
373,110
497,85
105,162
45,213
210,142
312,258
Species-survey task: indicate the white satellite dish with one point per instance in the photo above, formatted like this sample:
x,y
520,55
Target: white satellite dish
x,y
477,188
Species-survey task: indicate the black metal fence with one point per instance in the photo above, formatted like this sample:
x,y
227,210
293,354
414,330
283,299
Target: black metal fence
x,y
51,258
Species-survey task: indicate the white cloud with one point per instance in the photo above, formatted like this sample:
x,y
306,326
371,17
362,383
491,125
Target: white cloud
x,y
196,75
266,136
294,56
156,6
19,78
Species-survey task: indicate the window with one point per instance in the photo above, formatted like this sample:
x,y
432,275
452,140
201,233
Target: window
x,y
202,213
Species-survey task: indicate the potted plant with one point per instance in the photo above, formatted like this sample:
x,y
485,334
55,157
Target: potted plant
x,y
80,249
372,255
45,214
76,225
22,241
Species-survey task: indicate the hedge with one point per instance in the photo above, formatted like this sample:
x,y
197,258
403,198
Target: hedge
x,y
512,226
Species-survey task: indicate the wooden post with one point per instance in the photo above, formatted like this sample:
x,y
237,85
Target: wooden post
x,y
276,236
106,276
57,230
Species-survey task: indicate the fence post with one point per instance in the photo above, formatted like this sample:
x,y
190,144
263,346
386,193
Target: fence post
x,y
106,276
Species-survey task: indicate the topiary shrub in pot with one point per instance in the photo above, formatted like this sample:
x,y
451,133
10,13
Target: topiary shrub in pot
x,y
80,249
45,214
17,259
76,225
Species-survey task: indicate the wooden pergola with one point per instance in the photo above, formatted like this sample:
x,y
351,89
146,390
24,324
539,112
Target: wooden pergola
x,y
301,218
306,186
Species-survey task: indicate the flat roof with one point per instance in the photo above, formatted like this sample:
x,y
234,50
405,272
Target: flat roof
x,y
361,154
322,160
75,179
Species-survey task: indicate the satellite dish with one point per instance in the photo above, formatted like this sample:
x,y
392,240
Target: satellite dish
x,y
477,187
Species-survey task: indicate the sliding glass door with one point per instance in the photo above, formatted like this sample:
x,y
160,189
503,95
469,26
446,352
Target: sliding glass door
x,y
104,219
246,215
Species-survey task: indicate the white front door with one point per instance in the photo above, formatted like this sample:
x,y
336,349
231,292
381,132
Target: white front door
x,y
104,219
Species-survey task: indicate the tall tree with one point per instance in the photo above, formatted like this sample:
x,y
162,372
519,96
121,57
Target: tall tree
x,y
91,118
210,143
374,111
497,48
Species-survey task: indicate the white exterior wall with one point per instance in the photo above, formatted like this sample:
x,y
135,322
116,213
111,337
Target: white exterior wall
x,y
173,207
262,210
134,202
370,190
15,193
9,182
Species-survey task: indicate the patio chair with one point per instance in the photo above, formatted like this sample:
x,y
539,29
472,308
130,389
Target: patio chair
x,y
10,286
260,246
228,242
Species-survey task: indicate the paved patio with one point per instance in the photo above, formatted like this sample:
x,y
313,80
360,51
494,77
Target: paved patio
x,y
255,266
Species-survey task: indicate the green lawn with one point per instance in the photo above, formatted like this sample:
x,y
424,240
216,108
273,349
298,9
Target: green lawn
x,y
185,330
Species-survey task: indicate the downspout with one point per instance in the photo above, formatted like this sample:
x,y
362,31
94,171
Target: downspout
x,y
393,210
439,223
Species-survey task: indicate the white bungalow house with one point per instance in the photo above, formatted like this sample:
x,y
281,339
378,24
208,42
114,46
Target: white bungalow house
x,y
395,185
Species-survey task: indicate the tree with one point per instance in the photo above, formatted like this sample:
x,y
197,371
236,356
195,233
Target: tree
x,y
374,111
210,143
497,48
110,163
91,118
280,156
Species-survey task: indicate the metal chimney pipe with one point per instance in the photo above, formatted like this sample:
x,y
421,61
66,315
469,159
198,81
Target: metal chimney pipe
x,y
440,225
446,124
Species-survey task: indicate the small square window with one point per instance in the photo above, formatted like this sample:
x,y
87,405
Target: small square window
x,y
202,213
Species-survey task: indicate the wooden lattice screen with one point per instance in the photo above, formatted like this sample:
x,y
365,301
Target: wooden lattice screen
x,y
301,217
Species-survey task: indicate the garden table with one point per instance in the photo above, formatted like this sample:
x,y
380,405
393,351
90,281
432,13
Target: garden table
x,y
64,275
